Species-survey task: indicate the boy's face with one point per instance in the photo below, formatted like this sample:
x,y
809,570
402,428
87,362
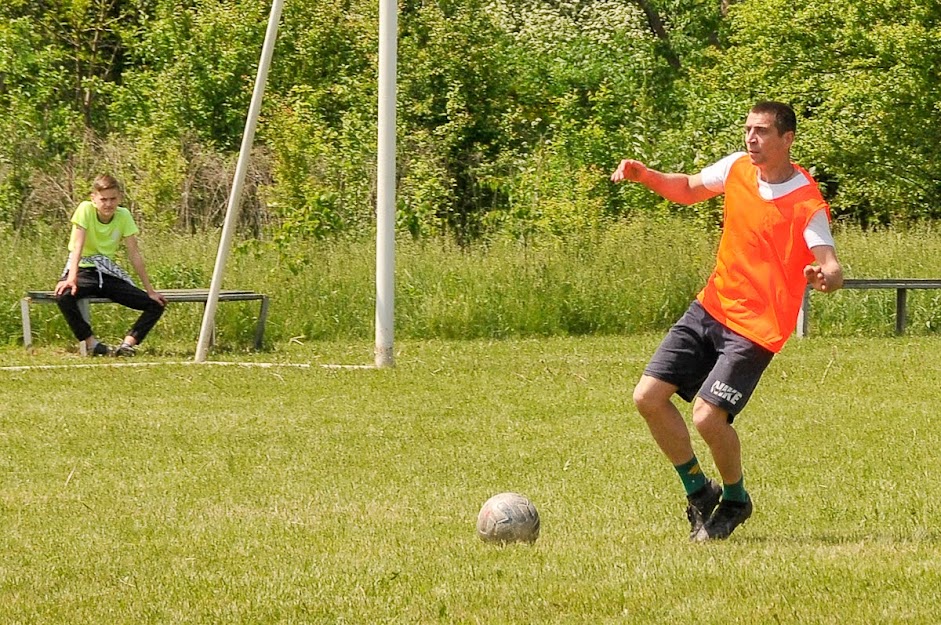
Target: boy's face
x,y
106,202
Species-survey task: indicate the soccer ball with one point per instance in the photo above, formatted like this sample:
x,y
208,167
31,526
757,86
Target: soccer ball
x,y
508,518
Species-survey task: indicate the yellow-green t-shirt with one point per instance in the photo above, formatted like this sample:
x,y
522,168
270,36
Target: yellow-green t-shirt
x,y
101,238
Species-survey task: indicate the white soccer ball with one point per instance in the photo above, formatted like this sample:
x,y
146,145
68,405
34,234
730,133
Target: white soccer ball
x,y
508,518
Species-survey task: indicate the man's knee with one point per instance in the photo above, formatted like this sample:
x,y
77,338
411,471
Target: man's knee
x,y
709,418
651,394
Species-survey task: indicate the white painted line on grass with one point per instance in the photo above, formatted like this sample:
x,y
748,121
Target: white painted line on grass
x,y
263,365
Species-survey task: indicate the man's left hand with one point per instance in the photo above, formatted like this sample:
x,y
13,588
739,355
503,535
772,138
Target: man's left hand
x,y
816,278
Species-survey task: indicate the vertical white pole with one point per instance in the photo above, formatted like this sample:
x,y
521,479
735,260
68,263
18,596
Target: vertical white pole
x,y
385,191
235,195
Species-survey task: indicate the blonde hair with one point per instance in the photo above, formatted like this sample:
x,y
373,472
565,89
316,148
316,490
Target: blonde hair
x,y
104,182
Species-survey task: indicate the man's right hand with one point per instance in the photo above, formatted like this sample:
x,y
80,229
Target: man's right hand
x,y
631,170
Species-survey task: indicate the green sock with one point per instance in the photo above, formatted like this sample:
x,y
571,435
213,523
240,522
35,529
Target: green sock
x,y
735,492
692,475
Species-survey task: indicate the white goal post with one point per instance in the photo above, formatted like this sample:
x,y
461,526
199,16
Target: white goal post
x,y
386,163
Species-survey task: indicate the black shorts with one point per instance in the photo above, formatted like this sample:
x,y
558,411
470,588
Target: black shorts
x,y
700,356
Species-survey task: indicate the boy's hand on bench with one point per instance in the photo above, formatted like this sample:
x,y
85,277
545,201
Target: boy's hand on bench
x,y
158,297
65,285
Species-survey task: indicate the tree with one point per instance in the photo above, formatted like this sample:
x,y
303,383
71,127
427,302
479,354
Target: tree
x,y
863,80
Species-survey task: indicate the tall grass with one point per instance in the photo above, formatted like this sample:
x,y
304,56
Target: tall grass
x,y
632,277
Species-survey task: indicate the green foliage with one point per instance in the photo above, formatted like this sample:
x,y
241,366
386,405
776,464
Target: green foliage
x,y
193,70
511,114
533,101
59,62
327,52
317,190
37,123
455,104
863,79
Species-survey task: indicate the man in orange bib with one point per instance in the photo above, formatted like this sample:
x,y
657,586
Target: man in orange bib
x,y
776,240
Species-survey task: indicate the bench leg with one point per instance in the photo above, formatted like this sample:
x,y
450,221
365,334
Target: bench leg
x,y
901,310
27,325
803,315
84,307
262,320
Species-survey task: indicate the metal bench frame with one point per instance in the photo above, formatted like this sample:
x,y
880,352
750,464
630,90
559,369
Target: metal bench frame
x,y
172,295
901,287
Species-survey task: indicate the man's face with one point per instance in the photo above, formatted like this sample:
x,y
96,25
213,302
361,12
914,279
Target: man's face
x,y
765,146
106,202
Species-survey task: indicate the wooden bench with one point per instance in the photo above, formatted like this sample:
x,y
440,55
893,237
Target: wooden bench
x,y
172,295
901,287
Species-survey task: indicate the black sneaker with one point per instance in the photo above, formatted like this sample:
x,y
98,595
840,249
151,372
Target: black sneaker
x,y
701,505
100,349
124,349
728,516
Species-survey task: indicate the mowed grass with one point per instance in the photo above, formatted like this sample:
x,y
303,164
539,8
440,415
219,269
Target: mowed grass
x,y
211,494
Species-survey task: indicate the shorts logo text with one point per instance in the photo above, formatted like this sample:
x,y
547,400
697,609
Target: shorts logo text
x,y
726,392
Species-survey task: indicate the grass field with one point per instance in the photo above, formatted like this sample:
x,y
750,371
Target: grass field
x,y
210,494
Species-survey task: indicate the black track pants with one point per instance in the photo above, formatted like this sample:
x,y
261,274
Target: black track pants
x,y
93,284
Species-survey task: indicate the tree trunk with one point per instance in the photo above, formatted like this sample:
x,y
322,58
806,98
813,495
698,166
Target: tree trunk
x,y
656,26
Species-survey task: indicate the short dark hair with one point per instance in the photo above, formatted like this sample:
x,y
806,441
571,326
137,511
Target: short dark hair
x,y
784,118
105,182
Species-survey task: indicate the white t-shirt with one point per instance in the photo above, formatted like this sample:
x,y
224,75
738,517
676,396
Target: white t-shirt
x,y
817,231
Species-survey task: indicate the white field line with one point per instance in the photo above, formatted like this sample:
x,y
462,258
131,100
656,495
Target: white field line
x,y
262,365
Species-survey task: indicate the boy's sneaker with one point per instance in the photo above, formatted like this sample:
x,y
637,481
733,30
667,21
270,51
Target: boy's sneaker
x,y
124,349
701,505
728,516
100,349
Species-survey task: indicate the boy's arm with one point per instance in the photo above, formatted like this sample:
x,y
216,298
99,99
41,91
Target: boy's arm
x,y
70,283
137,261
